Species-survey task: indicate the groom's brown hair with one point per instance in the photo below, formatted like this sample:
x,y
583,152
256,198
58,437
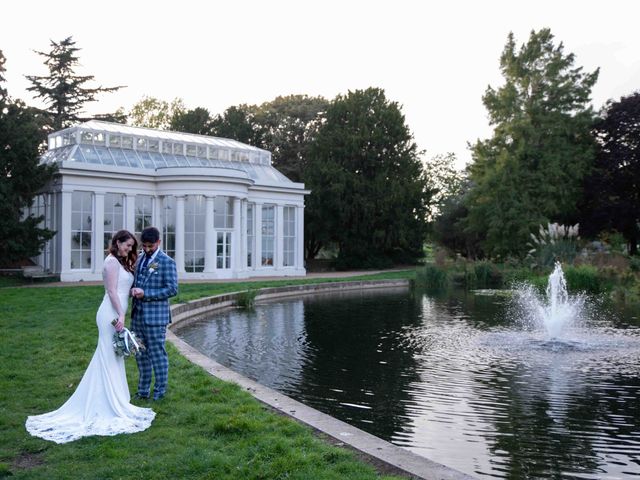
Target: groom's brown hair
x,y
150,235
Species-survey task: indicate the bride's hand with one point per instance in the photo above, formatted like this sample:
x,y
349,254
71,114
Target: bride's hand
x,y
120,323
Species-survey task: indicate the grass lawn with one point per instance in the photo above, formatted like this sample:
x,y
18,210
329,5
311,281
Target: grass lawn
x,y
204,429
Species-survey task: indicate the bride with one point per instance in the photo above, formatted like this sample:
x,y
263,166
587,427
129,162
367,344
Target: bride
x,y
100,405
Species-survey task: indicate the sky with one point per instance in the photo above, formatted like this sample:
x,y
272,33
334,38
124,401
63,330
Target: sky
x,y
435,59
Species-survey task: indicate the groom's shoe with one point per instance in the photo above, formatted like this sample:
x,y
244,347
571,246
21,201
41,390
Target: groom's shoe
x,y
138,396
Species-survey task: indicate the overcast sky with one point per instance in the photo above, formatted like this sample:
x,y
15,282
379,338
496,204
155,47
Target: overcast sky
x,y
434,58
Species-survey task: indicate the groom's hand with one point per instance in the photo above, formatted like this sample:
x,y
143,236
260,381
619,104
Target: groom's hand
x,y
137,292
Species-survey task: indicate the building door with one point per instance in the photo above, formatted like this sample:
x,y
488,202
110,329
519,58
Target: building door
x,y
223,250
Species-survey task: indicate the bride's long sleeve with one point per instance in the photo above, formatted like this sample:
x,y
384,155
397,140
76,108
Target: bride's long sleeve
x,y
110,276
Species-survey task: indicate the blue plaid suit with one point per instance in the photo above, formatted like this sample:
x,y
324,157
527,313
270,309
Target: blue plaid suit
x,y
150,317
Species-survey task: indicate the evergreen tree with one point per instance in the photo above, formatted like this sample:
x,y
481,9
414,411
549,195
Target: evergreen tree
x,y
613,190
532,170
21,177
367,183
63,92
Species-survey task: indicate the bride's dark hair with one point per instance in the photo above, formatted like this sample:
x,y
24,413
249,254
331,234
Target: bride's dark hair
x,y
128,263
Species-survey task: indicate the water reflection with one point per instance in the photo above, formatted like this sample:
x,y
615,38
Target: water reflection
x,y
450,377
358,359
268,344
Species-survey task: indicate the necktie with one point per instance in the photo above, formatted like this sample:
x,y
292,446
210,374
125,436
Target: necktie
x,y
146,261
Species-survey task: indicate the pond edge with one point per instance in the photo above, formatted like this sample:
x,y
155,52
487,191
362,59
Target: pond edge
x,y
392,455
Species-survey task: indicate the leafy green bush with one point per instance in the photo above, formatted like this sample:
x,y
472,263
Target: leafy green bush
x,y
585,278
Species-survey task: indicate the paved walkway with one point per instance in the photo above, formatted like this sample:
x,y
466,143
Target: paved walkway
x,y
311,275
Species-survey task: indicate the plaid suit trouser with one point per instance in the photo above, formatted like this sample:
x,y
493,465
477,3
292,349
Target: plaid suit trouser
x,y
153,358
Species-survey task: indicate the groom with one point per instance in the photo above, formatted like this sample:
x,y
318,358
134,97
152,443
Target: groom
x,y
156,280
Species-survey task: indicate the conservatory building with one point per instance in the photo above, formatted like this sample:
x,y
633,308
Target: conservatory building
x,y
222,209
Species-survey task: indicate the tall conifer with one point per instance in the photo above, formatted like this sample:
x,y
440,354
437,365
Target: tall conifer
x,y
531,170
63,92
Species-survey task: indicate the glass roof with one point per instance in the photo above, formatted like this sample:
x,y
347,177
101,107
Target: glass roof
x,y
120,157
112,144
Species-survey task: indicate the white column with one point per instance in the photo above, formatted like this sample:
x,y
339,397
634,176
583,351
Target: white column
x,y
130,213
56,226
48,221
209,236
157,220
236,241
243,235
65,232
279,250
258,249
299,237
180,235
98,252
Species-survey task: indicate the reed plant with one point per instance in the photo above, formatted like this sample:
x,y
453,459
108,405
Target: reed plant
x,y
488,275
432,277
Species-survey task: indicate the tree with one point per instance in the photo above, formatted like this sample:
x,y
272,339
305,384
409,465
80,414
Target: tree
x,y
367,183
613,190
21,177
238,123
151,112
532,170
196,121
443,181
448,188
285,126
63,92
288,126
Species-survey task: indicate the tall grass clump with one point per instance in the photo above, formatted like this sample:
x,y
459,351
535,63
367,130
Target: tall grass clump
x,y
555,243
432,277
487,275
247,299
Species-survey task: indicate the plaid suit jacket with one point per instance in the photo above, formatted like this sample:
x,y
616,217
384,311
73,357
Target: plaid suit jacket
x,y
159,284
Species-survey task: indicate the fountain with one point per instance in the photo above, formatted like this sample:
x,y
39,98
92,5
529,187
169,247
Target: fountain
x,y
555,313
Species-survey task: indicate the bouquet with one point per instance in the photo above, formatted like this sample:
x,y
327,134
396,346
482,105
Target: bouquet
x,y
125,342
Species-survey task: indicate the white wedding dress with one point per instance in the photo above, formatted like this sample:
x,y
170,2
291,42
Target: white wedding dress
x,y
100,405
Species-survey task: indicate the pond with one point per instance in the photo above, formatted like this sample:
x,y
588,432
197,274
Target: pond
x,y
455,378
